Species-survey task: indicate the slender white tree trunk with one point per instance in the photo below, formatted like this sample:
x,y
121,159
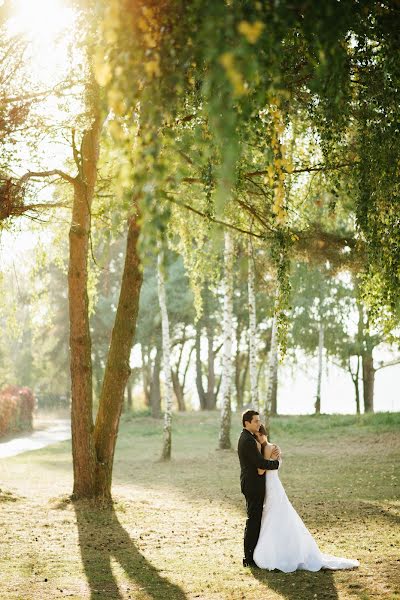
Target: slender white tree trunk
x,y
166,344
272,365
320,364
226,385
252,331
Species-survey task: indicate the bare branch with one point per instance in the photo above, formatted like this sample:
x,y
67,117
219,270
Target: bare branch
x,y
390,363
209,218
306,169
40,174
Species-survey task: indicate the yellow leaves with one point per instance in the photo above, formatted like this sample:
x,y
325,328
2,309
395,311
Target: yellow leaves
x,y
112,15
235,77
117,102
147,25
116,130
287,163
279,200
101,68
148,13
152,67
142,24
150,40
251,31
149,36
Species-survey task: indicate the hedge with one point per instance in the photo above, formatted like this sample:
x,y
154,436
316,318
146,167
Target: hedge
x,y
16,409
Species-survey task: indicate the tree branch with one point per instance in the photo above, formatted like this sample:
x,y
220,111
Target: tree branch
x,y
306,169
40,174
390,363
209,218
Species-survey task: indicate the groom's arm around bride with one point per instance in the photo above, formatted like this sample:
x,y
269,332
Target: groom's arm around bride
x,y
252,484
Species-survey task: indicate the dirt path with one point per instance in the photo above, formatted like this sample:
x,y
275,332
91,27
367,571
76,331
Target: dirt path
x,y
58,431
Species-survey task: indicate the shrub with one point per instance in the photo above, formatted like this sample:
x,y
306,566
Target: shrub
x,y
16,409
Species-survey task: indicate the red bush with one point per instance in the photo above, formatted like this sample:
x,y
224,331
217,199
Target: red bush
x,y
16,409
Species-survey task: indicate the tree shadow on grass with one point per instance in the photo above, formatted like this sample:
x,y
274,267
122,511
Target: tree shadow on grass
x,y
101,538
300,584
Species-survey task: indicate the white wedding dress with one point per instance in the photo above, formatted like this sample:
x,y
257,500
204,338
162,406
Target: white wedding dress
x,y
285,542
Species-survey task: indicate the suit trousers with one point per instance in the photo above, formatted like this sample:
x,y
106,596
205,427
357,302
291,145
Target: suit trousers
x,y
254,507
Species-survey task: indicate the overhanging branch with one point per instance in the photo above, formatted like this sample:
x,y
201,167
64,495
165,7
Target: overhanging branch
x,y
43,174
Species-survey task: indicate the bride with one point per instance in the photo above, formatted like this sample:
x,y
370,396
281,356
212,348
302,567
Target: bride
x,y
284,542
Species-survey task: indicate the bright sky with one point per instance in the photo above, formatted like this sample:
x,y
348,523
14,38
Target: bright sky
x,y
44,23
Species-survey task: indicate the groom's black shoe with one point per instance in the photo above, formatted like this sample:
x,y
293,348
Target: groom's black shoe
x,y
249,562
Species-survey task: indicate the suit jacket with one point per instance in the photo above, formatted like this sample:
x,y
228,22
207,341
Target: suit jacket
x,y
250,458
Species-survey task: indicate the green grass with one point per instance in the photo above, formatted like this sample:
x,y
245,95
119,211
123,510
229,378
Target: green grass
x,y
175,530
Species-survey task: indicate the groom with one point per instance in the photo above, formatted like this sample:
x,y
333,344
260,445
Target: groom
x,y
252,484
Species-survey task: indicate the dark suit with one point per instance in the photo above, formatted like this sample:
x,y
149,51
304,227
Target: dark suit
x,y
253,487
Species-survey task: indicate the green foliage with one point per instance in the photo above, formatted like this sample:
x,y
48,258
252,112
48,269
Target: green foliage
x,y
219,90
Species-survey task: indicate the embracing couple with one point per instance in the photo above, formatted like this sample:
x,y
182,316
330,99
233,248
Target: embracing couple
x,y
275,537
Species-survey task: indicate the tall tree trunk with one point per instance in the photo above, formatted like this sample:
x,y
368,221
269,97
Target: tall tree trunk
x,y
320,365
272,371
166,343
368,372
366,345
252,330
83,447
238,369
211,397
129,400
274,398
155,389
225,427
243,376
356,381
199,373
146,375
179,388
178,391
117,369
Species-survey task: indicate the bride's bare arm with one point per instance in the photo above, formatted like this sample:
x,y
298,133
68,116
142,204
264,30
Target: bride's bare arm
x,y
267,450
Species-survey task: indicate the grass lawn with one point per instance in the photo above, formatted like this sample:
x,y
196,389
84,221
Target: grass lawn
x,y
175,530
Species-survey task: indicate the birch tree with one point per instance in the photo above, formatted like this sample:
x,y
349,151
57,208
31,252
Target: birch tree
x,y
252,330
226,385
166,345
272,370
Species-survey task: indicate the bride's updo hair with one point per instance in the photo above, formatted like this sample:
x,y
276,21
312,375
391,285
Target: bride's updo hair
x,y
262,430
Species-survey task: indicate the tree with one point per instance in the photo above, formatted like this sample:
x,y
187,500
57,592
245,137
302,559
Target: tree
x,y
166,344
252,331
224,433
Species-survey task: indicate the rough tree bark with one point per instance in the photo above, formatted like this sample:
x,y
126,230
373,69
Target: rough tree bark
x,y
226,385
252,330
368,373
366,344
178,391
117,369
83,446
166,344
